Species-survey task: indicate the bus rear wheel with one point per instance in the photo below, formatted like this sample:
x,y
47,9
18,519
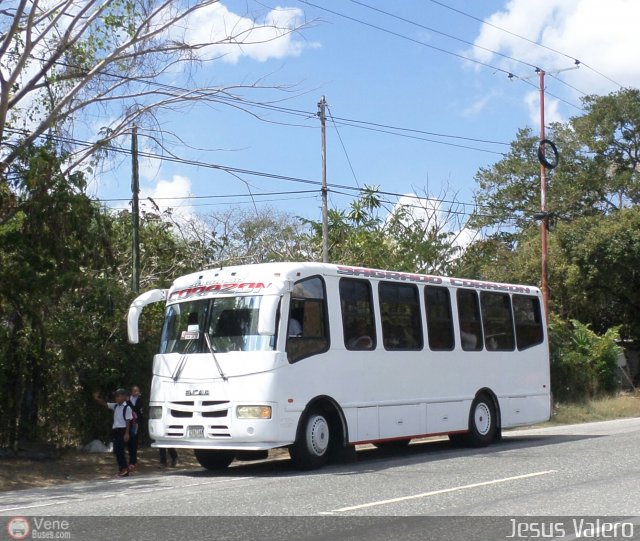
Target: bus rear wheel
x,y
482,421
311,448
213,459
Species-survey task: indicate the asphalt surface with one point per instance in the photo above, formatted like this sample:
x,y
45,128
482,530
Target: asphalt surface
x,y
589,470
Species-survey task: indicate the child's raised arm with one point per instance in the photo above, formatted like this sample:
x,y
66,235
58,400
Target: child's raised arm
x,y
99,400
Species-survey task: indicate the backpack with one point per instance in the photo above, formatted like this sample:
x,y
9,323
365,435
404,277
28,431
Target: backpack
x,y
133,427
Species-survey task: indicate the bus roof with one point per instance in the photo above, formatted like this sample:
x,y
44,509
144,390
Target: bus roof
x,y
266,278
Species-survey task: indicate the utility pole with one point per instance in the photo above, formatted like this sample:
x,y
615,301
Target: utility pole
x,y
322,104
544,222
543,215
135,213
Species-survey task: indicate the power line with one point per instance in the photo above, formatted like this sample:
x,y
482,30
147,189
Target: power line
x,y
533,42
409,136
413,130
278,199
509,74
407,38
566,84
441,33
218,196
233,100
344,149
553,95
434,208
334,187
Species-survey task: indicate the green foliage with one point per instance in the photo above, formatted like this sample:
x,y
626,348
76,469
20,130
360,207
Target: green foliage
x,y
601,279
64,295
598,170
583,363
611,131
403,238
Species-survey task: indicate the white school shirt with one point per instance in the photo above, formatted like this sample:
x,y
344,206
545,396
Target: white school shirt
x,y
118,417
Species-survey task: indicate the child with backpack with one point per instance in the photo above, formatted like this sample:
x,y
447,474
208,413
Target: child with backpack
x,y
122,417
135,402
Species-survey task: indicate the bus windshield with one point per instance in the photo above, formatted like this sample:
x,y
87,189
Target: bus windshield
x,y
230,322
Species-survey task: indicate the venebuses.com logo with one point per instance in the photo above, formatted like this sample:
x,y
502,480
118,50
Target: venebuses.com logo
x,y
38,528
18,528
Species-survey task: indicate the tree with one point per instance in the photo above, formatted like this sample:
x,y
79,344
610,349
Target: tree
x,y
53,249
610,130
65,264
64,58
416,234
240,236
597,173
600,276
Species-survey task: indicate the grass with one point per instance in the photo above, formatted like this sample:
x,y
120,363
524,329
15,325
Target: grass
x,y
597,409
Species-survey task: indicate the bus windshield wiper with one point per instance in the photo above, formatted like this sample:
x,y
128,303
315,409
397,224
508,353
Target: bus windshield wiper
x,y
213,354
180,366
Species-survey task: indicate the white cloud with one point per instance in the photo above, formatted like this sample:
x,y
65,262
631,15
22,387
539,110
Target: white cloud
x,y
273,36
551,109
477,106
439,215
602,35
169,194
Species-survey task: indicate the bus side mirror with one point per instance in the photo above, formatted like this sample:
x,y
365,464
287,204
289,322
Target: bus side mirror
x,y
155,295
267,315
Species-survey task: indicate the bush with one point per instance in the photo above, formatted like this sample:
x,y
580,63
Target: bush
x,y
583,363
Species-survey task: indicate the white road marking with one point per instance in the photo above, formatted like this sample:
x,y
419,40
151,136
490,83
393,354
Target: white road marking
x,y
5,509
437,492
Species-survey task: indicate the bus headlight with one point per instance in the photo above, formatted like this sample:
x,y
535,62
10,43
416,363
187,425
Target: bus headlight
x,y
155,412
253,412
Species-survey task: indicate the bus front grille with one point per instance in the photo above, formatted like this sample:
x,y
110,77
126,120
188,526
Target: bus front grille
x,y
175,431
222,413
218,431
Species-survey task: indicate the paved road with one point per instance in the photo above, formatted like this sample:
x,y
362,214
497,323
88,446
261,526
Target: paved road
x,y
587,470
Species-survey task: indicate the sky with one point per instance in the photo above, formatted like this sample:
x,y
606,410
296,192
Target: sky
x,y
379,65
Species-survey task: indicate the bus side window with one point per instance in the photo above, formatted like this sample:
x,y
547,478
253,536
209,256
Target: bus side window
x,y
497,321
469,319
400,314
356,305
528,321
439,320
308,330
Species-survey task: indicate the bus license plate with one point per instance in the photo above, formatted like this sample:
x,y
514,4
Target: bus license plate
x,y
195,432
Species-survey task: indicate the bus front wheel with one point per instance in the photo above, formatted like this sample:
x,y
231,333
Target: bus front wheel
x,y
311,448
213,459
482,421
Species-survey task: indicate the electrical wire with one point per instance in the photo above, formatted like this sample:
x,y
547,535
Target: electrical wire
x,y
509,74
333,186
407,38
218,196
439,32
416,137
344,148
234,100
533,42
553,95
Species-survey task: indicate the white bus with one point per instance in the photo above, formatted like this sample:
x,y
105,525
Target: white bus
x,y
319,358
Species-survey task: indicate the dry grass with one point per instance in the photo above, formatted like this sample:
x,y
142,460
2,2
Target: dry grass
x,y
18,473
600,409
72,466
